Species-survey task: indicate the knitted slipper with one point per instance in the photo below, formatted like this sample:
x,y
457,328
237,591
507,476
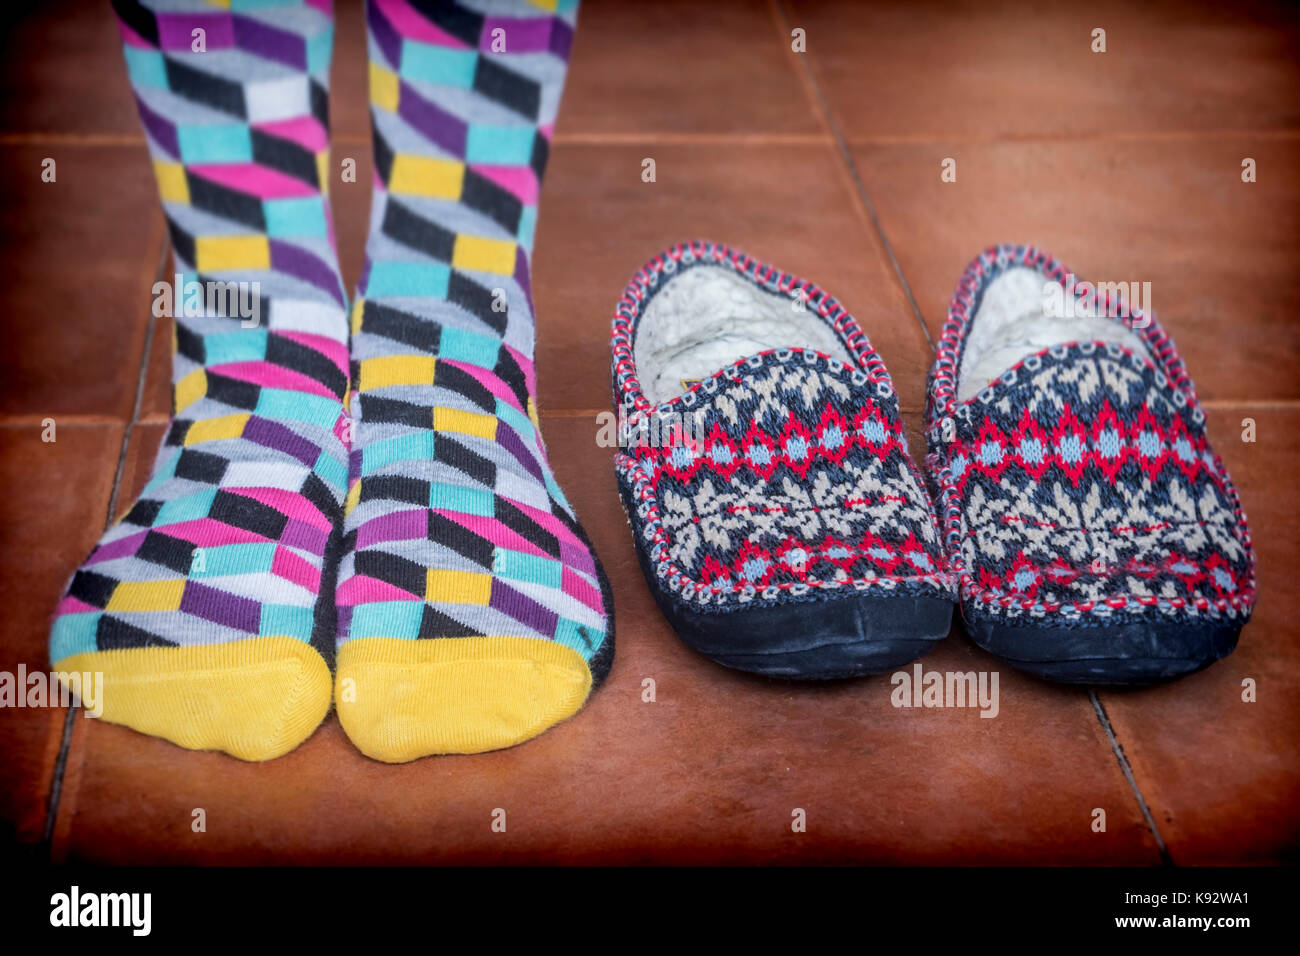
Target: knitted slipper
x,y
1096,536
777,516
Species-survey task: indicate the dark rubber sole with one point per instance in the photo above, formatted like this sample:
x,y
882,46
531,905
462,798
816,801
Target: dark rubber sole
x,y
824,638
1123,655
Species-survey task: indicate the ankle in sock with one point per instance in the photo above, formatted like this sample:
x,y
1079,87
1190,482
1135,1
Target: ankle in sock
x,y
209,608
473,611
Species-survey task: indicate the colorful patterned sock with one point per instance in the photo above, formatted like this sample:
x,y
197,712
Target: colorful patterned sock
x,y
201,607
473,612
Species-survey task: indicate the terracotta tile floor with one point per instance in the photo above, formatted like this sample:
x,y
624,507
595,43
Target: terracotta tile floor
x,y
1125,164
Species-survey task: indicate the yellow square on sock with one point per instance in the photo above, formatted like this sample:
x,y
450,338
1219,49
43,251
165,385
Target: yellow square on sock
x,y
215,429
353,498
147,596
190,389
221,253
467,423
485,255
457,587
395,370
425,176
172,185
384,88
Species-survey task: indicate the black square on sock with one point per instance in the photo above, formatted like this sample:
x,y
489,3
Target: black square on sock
x,y
215,91
114,635
233,392
318,493
94,589
526,527
286,156
463,23
477,301
465,385
508,88
176,434
453,453
240,512
404,226
389,568
401,326
482,195
200,466
225,202
412,491
434,623
466,543
143,513
158,548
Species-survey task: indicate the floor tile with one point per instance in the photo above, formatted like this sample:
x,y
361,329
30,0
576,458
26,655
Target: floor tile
x,y
55,92
82,253
682,67
49,521
710,771
1175,214
1221,775
1003,71
792,206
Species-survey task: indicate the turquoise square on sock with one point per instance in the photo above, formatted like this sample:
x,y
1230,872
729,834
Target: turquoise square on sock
x,y
571,634
527,227
527,567
295,217
413,447
440,65
163,474
516,419
333,472
500,145
189,508
279,403
227,559
286,620
461,499
74,634
145,67
459,345
246,345
387,619
417,279
319,48
215,143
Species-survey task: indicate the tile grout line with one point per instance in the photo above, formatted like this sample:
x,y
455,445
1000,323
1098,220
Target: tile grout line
x,y
1165,857
65,743
846,155
814,89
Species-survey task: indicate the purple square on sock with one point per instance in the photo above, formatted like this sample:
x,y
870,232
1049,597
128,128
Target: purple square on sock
x,y
230,610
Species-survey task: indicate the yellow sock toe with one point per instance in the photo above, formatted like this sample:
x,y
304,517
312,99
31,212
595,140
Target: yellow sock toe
x,y
254,699
400,699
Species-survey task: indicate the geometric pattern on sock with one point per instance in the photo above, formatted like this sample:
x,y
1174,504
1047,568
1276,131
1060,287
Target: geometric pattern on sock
x,y
234,535
455,524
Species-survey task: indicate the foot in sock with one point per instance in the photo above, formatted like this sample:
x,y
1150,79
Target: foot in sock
x,y
473,613
208,608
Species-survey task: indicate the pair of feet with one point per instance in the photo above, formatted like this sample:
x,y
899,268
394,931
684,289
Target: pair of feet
x,y
1071,503
351,505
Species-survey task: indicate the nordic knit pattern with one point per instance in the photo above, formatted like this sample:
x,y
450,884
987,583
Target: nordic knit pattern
x,y
782,476
1080,487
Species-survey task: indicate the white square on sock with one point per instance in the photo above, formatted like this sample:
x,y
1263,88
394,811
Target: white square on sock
x,y
317,318
527,491
270,100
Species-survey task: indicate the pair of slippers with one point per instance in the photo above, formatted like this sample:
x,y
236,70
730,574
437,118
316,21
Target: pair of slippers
x,y
1070,503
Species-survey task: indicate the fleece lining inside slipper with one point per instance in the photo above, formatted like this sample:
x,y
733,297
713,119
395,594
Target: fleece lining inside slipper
x,y
1018,316
709,317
